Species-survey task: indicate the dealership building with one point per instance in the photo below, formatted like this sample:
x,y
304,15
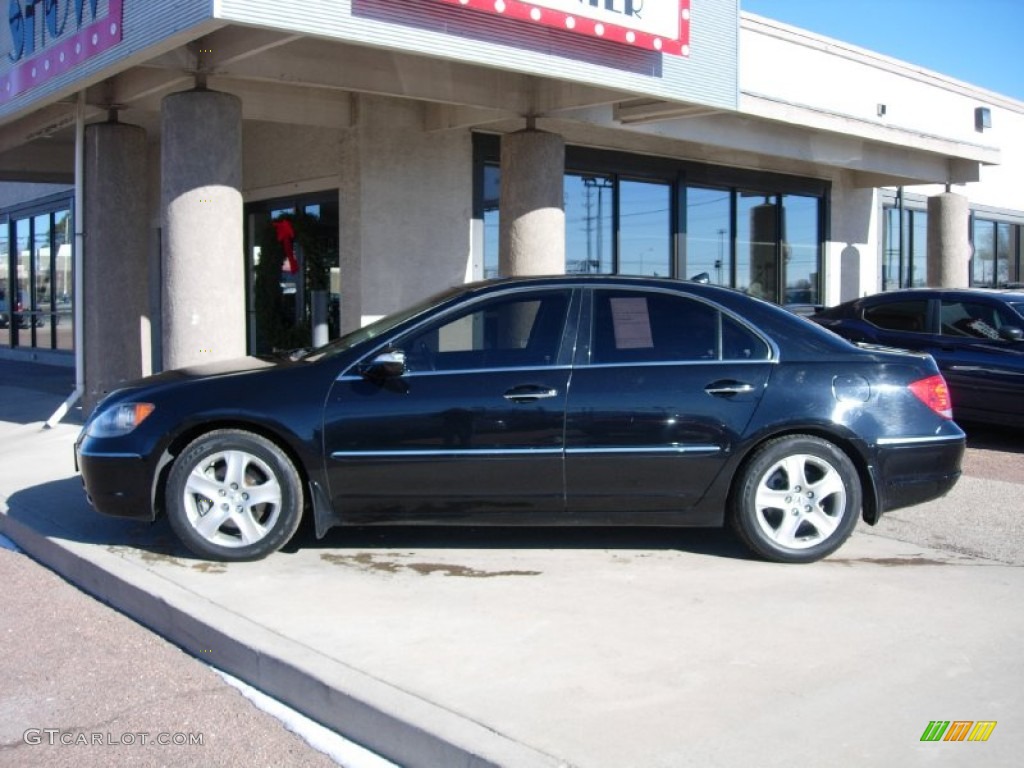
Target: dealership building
x,y
197,180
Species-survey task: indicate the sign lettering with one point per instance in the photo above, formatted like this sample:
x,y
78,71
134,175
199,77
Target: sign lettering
x,y
657,25
48,37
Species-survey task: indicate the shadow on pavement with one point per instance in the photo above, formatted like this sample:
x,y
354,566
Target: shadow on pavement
x,y
60,509
993,438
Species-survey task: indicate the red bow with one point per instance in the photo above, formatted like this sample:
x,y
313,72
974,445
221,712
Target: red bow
x,y
286,237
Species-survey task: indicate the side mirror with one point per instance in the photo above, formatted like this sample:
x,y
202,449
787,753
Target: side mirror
x,y
389,364
1011,333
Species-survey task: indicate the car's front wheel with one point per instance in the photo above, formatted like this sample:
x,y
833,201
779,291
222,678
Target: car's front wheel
x,y
796,500
233,495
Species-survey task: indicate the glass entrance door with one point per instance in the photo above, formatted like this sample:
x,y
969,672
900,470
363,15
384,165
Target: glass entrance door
x,y
294,283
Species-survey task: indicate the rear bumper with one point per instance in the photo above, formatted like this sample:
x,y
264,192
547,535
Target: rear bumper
x,y
914,470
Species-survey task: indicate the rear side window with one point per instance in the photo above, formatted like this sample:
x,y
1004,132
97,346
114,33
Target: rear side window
x,y
907,316
975,320
652,327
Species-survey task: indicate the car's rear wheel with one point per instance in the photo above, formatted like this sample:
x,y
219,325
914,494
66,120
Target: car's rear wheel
x,y
233,495
796,500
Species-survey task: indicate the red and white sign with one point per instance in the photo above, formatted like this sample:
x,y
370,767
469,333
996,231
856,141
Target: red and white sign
x,y
49,39
657,25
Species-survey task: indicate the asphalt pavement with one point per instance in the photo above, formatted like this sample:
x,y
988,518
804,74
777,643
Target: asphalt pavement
x,y
623,647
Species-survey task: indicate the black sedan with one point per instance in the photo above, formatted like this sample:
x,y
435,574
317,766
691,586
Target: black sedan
x,y
537,401
975,335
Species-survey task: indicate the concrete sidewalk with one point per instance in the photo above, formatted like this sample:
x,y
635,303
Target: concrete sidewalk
x,y
563,647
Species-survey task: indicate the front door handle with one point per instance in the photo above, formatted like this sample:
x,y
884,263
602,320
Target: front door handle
x,y
529,393
728,388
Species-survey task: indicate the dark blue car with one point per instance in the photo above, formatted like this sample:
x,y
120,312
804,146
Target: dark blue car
x,y
548,401
975,335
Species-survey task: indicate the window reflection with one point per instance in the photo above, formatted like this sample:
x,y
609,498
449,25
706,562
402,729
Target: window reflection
x,y
800,246
63,287
757,244
709,234
589,206
645,229
766,242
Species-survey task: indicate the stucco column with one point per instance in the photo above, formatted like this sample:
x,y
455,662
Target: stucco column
x,y
115,265
532,213
949,249
203,263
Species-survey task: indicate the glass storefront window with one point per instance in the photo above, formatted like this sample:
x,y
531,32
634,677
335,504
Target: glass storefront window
x,y
589,209
42,318
645,229
63,285
5,284
905,257
757,244
983,263
491,195
632,215
996,261
709,234
21,298
800,248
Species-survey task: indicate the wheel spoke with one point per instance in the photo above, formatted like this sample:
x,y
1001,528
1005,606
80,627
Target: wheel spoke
x,y
208,526
785,534
795,467
824,524
770,499
236,461
249,529
265,493
199,483
830,484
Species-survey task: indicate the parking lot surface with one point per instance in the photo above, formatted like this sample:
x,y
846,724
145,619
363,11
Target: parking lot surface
x,y
587,647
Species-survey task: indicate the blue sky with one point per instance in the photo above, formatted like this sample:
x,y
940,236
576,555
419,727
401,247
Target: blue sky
x,y
978,41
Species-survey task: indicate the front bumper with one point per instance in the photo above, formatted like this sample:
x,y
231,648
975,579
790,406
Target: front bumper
x,y
118,484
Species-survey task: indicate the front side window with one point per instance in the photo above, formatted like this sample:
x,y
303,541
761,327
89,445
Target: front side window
x,y
522,330
650,327
974,320
904,316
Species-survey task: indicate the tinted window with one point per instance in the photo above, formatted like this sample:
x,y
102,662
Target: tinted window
x,y
975,320
510,331
909,316
638,327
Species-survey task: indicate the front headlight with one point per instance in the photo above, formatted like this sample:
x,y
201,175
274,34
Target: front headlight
x,y
119,420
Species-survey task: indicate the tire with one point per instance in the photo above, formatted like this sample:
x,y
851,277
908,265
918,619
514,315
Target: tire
x,y
796,500
233,495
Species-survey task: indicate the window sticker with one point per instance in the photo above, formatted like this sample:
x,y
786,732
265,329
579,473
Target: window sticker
x,y
631,322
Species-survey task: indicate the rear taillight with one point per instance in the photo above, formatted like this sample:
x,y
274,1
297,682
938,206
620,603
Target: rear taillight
x,y
934,393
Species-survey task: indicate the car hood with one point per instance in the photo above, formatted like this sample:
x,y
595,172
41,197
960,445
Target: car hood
x,y
241,366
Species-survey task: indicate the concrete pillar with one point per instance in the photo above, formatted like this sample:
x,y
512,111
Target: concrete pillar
x,y
949,248
532,214
350,225
203,262
115,268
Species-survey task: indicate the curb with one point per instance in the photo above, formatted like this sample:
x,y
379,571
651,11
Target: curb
x,y
397,725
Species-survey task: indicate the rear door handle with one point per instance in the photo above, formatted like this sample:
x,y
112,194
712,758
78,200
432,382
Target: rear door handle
x,y
728,388
529,393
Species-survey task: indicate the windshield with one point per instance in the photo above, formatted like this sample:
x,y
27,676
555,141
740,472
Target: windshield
x,y
1018,307
374,329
